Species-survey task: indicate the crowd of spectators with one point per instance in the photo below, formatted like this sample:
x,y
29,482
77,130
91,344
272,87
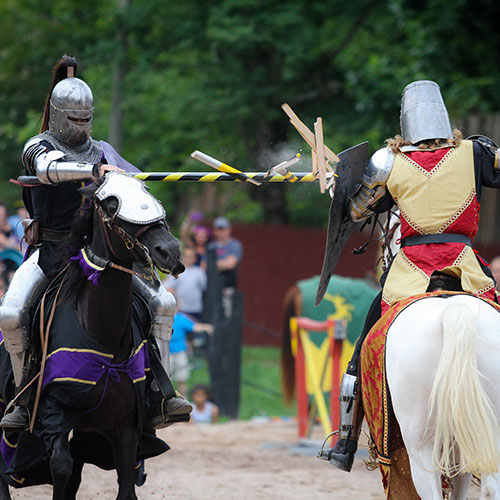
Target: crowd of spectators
x,y
198,238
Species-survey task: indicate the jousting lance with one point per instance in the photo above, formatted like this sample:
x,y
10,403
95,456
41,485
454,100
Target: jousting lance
x,y
222,167
260,177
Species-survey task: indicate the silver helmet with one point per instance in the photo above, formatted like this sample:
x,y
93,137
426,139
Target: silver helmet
x,y
71,111
423,113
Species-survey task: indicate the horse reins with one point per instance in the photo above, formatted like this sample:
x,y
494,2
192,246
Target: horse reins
x,y
131,242
44,339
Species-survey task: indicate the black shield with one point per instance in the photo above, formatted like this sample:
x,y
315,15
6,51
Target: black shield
x,y
352,164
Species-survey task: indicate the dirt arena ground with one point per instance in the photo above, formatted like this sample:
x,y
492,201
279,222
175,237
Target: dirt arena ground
x,y
235,460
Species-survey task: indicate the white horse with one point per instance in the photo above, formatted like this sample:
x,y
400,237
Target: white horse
x,y
443,373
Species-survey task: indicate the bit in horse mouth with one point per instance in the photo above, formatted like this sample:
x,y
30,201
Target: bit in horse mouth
x,y
166,271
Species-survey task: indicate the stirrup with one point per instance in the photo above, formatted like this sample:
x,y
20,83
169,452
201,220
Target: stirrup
x,y
322,453
339,456
18,419
179,411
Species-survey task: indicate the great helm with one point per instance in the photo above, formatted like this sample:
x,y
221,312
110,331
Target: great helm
x,y
71,111
423,113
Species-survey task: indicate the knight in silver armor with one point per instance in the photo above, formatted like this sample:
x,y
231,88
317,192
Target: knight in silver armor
x,y
75,155
64,152
70,120
423,118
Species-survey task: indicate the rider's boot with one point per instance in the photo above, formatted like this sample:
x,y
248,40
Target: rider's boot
x,y
167,407
351,417
19,418
168,411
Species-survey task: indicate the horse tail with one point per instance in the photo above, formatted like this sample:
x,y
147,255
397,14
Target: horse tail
x,y
466,432
291,307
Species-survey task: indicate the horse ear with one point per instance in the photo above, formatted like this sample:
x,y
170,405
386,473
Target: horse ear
x,y
88,191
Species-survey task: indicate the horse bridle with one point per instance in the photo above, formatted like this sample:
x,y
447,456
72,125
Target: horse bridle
x,y
131,242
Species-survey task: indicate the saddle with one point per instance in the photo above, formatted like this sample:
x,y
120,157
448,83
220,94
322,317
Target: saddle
x,y
441,281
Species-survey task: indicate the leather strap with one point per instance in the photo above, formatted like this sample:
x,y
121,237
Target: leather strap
x,y
162,379
53,235
44,339
425,239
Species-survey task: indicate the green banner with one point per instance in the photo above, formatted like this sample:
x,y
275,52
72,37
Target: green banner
x,y
346,298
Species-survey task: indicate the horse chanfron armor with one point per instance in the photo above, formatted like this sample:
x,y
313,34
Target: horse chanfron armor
x,y
135,204
373,185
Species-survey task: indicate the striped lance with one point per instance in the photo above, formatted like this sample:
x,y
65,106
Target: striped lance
x,y
200,177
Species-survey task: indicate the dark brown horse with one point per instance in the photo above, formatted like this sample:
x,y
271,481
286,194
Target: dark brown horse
x,y
104,312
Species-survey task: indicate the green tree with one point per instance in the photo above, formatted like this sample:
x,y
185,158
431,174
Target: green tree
x,y
212,75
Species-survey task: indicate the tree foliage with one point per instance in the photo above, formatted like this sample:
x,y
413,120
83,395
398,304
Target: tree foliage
x,y
211,75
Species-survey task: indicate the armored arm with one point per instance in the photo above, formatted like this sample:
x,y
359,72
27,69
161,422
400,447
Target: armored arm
x,y
486,163
49,167
364,202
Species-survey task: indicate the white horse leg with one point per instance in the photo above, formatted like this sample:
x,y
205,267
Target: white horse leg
x,y
460,486
412,352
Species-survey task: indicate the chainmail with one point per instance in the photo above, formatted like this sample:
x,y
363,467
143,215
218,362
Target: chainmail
x,y
90,152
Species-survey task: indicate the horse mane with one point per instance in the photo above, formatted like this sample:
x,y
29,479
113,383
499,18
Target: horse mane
x,y
80,235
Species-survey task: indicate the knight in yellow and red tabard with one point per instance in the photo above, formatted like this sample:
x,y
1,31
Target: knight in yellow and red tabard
x,y
435,179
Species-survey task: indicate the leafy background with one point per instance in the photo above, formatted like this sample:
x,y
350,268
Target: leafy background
x,y
169,77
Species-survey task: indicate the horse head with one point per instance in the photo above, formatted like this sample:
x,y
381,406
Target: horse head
x,y
131,224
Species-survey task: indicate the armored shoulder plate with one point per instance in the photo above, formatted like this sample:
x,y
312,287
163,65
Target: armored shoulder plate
x,y
32,150
483,140
378,169
373,184
48,165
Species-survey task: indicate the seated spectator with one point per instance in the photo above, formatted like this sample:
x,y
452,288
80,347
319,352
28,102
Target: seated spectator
x,y
188,288
179,362
204,411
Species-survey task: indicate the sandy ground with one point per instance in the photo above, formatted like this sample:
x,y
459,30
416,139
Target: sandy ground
x,y
235,460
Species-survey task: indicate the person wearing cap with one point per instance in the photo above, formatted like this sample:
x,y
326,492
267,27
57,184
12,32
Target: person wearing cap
x,y
435,179
63,157
228,252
